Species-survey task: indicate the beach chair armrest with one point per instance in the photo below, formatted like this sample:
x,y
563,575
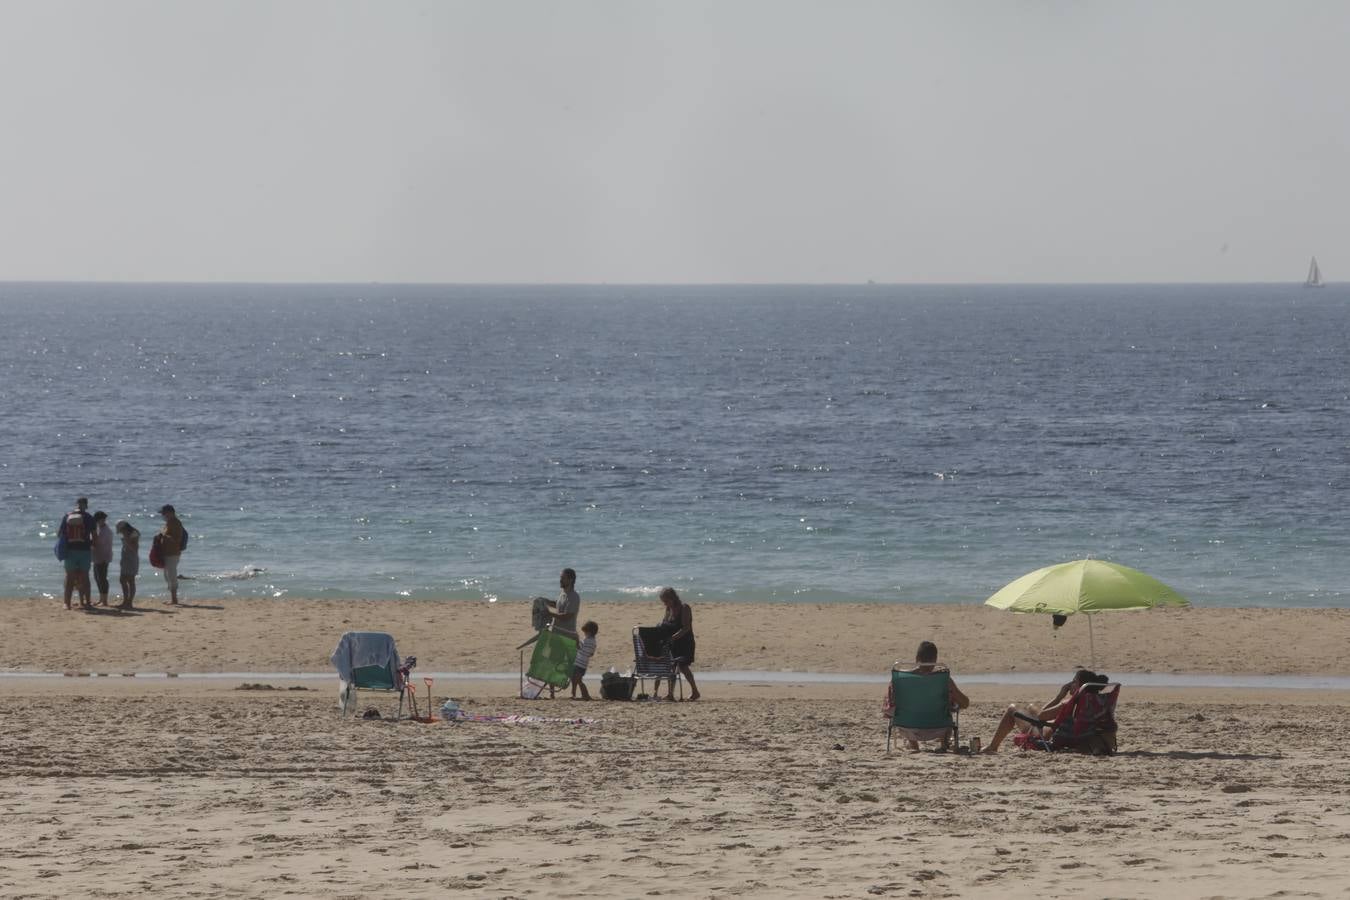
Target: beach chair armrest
x,y
1032,720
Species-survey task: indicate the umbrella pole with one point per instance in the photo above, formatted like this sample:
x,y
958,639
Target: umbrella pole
x,y
1092,644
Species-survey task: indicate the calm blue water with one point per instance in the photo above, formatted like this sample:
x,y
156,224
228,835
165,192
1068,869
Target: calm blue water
x,y
908,444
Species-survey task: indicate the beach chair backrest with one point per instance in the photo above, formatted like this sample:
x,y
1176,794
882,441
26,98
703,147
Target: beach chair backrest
x,y
376,678
1094,711
1089,720
646,666
921,701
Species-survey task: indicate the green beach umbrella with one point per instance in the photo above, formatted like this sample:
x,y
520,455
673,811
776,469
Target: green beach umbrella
x,y
1085,586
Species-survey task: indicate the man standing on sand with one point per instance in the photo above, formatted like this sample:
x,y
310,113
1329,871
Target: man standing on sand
x,y
77,533
565,611
172,538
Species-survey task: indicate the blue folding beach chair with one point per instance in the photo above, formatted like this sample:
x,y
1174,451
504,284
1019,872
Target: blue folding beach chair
x,y
656,667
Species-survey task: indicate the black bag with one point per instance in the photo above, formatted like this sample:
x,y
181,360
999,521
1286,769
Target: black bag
x,y
614,686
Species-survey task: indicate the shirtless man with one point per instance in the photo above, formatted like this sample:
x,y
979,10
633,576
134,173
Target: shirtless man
x,y
925,663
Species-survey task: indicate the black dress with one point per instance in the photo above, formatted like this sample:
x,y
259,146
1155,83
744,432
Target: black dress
x,y
682,648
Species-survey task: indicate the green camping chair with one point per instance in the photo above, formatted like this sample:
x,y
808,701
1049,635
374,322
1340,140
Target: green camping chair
x,y
555,653
923,708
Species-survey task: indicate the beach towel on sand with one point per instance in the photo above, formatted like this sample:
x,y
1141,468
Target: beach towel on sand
x,y
514,719
539,614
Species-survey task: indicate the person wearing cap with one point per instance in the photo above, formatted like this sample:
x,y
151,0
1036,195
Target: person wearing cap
x,y
76,533
171,539
102,554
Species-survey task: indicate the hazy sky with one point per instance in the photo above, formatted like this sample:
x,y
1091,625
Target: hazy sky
x,y
674,142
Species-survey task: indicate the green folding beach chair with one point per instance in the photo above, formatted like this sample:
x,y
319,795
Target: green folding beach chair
x,y
923,708
555,653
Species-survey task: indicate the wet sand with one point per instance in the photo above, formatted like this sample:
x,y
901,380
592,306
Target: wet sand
x,y
294,635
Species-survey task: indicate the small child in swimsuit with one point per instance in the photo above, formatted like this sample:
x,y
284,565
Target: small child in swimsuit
x,y
130,563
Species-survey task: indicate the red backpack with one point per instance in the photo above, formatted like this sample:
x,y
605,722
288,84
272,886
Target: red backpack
x,y
75,530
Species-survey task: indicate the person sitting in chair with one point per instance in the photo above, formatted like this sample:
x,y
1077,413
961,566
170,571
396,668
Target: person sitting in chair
x,y
1050,712
925,663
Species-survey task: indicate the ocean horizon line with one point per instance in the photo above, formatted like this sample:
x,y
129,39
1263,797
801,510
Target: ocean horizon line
x,y
154,593
172,282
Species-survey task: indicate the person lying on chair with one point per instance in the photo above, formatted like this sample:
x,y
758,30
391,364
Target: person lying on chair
x,y
925,663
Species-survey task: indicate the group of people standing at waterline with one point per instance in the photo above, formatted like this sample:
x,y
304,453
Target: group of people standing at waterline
x,y
84,543
678,624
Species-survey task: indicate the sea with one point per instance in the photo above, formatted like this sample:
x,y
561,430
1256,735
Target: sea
x,y
803,443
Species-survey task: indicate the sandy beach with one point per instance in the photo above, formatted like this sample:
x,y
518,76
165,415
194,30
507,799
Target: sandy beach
x,y
186,787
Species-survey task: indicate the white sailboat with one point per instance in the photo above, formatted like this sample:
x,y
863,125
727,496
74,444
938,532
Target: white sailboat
x,y
1314,275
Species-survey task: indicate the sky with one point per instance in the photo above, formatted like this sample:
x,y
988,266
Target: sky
x,y
674,142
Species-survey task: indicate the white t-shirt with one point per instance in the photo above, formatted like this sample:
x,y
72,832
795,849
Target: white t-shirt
x,y
569,603
102,544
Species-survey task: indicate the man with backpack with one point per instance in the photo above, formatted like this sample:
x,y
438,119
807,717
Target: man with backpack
x,y
172,540
75,537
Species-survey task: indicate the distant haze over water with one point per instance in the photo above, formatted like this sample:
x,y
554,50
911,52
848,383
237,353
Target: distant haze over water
x,y
900,444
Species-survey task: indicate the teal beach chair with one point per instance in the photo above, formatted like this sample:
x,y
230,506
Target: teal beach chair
x,y
368,661
923,708
384,678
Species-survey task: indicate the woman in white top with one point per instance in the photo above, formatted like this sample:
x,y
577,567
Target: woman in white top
x,y
102,554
